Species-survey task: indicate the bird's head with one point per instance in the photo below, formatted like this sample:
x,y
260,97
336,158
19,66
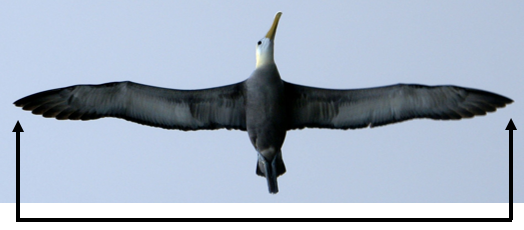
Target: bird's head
x,y
265,46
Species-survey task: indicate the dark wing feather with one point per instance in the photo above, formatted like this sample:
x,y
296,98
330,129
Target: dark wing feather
x,y
214,108
350,109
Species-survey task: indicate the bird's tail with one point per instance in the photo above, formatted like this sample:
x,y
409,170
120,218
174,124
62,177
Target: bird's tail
x,y
271,169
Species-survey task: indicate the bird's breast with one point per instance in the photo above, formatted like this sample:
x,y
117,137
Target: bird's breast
x,y
265,102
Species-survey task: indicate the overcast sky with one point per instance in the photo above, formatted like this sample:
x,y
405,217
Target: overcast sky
x,y
202,44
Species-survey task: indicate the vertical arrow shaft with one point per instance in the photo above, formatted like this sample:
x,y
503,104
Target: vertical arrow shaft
x,y
17,130
511,174
510,128
17,176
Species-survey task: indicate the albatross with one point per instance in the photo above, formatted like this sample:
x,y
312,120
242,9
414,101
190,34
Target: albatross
x,y
264,105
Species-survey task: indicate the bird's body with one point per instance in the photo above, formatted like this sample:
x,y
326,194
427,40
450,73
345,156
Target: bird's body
x,y
266,120
263,105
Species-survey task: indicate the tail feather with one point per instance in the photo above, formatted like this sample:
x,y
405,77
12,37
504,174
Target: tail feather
x,y
280,168
271,170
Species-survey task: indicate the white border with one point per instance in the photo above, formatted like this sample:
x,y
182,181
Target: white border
x,y
269,210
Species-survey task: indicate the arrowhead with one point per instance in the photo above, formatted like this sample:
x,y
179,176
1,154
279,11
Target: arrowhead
x,y
18,127
511,126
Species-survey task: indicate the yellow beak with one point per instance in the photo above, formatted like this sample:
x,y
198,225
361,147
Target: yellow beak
x,y
273,30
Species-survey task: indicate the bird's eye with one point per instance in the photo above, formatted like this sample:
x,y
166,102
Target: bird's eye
x,y
259,42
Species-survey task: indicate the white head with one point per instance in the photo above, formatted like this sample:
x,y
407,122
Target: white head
x,y
265,46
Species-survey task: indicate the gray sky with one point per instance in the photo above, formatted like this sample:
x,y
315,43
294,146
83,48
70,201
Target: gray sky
x,y
190,45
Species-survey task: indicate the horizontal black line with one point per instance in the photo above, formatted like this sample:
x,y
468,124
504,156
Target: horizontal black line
x,y
264,220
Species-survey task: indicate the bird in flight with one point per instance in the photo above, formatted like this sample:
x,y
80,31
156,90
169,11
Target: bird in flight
x,y
264,105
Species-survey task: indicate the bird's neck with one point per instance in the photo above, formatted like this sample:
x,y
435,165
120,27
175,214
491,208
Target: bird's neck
x,y
265,57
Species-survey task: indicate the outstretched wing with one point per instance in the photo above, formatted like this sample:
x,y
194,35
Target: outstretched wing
x,y
214,108
350,109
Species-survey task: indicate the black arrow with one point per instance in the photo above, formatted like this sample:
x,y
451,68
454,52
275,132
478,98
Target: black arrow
x,y
18,129
511,127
